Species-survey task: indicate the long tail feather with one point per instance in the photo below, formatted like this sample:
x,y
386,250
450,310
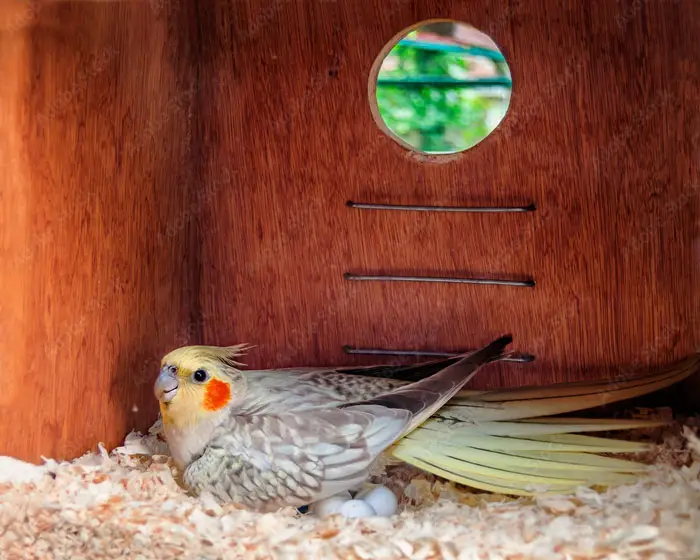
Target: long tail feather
x,y
530,402
503,441
563,443
500,476
423,398
532,428
510,432
522,466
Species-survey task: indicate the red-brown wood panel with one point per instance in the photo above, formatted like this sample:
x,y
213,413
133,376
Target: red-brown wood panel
x,y
177,171
99,272
601,135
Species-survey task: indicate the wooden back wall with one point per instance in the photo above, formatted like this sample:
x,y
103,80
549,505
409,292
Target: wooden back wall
x,y
177,172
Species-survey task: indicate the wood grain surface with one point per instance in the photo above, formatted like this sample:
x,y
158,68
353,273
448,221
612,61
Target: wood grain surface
x,y
99,275
177,172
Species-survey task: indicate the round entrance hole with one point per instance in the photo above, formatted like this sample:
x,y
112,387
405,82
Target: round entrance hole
x,y
440,87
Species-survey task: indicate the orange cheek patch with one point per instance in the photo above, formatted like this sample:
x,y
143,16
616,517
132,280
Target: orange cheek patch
x,y
217,395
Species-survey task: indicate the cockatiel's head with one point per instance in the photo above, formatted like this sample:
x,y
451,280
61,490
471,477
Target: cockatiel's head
x,y
197,382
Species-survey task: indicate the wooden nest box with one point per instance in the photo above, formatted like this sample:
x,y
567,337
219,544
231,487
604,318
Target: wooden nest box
x,y
178,172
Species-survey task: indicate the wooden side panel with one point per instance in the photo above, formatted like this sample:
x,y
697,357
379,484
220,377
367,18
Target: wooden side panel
x,y
177,172
601,135
99,259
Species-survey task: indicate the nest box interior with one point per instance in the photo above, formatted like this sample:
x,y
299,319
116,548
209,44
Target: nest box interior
x,y
179,171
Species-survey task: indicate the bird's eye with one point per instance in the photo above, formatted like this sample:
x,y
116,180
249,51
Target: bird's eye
x,y
200,376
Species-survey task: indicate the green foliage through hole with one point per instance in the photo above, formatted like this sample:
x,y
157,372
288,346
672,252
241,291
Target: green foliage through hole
x,y
440,92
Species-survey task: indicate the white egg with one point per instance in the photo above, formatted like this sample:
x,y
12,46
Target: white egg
x,y
331,505
357,508
366,489
382,500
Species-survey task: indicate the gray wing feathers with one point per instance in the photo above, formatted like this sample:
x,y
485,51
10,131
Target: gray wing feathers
x,y
294,458
266,462
423,398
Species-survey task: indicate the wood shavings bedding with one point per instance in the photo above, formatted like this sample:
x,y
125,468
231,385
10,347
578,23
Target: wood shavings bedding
x,y
128,504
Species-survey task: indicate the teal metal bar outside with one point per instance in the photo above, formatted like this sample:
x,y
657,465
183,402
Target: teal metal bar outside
x,y
444,82
440,47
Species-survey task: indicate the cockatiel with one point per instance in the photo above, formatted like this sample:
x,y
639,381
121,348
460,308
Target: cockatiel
x,y
291,437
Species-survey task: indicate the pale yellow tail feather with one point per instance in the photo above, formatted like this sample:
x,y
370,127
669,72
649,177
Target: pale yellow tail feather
x,y
502,441
525,428
553,443
595,423
611,445
512,435
529,402
502,480
541,461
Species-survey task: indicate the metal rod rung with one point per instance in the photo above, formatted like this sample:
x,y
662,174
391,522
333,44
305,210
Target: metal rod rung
x,y
439,279
417,208
520,358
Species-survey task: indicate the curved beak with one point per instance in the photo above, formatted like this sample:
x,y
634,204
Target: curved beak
x,y
166,386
